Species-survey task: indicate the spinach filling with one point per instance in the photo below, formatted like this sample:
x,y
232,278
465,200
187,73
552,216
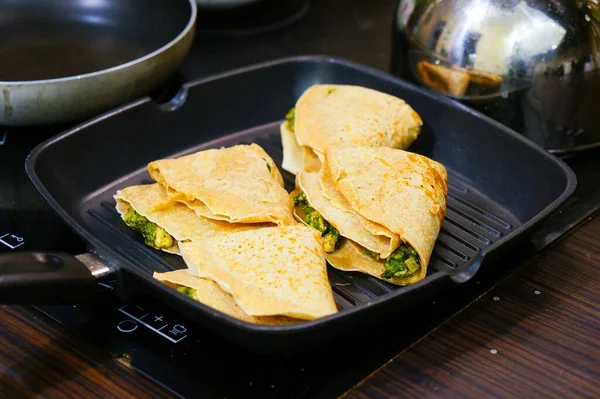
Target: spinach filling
x,y
403,262
290,118
187,291
311,217
154,235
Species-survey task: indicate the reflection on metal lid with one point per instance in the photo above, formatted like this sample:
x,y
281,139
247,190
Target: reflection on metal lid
x,y
501,38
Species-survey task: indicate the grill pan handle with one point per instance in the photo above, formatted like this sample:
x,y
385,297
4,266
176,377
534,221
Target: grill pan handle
x,y
467,274
44,278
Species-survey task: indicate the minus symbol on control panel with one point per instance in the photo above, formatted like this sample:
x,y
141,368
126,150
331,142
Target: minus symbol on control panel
x,y
122,310
142,309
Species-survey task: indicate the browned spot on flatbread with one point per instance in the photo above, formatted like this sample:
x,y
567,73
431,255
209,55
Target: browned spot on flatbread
x,y
432,179
416,117
383,161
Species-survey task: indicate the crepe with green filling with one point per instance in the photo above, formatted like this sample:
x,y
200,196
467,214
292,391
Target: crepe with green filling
x,y
379,210
237,184
328,115
146,209
210,294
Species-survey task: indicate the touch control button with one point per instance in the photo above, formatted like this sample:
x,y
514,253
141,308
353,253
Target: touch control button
x,y
135,311
175,331
156,321
12,241
127,326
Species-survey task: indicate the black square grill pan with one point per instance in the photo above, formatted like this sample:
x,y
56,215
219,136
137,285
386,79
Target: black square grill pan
x,y
501,186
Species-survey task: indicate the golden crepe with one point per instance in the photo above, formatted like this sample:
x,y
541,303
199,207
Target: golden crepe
x,y
269,271
150,201
442,79
293,153
484,78
333,207
238,184
387,204
329,115
454,80
209,293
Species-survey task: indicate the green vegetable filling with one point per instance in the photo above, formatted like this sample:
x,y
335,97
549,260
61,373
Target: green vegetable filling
x,y
331,236
290,117
187,291
372,254
403,262
154,235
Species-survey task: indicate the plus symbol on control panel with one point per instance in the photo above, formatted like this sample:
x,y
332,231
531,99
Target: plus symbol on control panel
x,y
158,318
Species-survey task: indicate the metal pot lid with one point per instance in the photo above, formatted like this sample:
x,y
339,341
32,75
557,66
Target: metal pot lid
x,y
499,45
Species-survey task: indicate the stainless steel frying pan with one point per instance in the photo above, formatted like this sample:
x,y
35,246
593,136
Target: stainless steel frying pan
x,y
67,60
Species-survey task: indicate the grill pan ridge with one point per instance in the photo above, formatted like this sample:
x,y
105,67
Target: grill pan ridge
x,y
500,186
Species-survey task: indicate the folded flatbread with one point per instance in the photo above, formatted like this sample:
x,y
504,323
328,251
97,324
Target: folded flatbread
x,y
209,293
454,80
485,79
379,209
270,271
446,80
344,116
323,196
146,209
238,184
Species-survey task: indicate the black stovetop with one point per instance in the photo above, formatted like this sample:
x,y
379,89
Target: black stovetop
x,y
188,359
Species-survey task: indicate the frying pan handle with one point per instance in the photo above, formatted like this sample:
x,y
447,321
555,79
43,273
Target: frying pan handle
x,y
38,278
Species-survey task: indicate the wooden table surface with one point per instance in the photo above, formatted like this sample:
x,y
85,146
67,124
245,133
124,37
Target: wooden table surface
x,y
535,334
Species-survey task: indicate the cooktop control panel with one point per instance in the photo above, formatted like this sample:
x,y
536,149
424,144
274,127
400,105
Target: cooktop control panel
x,y
156,322
192,361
